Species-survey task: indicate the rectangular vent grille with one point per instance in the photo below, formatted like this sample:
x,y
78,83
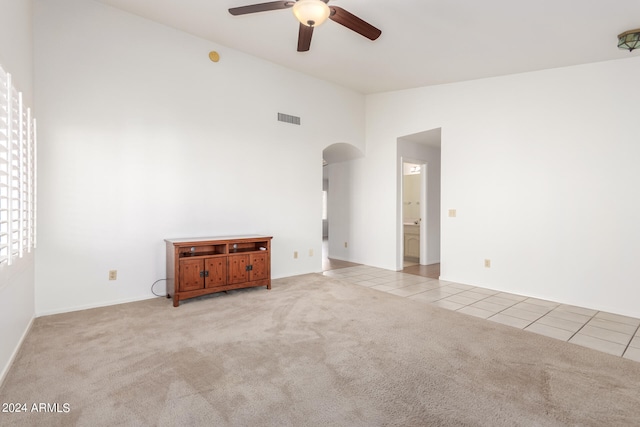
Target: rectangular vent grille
x,y
288,119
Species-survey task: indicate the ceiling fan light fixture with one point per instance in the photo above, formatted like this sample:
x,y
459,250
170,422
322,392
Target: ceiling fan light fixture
x,y
629,40
311,12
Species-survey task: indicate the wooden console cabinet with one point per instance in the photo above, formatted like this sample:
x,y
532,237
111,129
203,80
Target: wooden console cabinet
x,y
203,266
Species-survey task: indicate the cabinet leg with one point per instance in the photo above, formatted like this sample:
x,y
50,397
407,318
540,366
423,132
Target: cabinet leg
x,y
176,301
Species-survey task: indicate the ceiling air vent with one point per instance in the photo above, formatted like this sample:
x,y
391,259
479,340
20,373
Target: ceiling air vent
x,y
288,119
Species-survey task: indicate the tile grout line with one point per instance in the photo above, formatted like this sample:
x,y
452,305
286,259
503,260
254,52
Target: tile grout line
x,y
539,319
517,302
629,343
585,324
498,311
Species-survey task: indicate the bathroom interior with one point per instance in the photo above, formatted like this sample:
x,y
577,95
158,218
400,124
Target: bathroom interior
x,y
411,186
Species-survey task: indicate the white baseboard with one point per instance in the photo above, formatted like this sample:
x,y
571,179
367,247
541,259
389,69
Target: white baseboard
x,y
6,368
90,306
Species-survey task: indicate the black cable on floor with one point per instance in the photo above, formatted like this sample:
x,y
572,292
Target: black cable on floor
x,y
154,283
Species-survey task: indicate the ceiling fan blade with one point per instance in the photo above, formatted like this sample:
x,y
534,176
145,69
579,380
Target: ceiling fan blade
x,y
354,23
261,7
304,38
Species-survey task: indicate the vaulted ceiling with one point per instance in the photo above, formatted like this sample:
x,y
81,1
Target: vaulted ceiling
x,y
423,42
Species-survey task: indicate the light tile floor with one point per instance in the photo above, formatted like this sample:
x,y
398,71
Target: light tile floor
x,y
607,332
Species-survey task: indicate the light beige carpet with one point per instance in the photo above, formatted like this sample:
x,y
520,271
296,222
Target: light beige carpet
x,y
313,351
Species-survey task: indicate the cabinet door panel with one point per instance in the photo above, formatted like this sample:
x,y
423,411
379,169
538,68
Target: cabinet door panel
x,y
258,267
217,268
190,279
412,246
238,268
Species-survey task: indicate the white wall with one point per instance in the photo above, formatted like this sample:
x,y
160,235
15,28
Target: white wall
x,y
16,44
16,281
542,169
143,138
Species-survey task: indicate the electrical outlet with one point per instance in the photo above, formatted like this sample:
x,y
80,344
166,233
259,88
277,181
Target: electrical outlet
x,y
295,254
487,263
310,252
113,274
452,213
345,244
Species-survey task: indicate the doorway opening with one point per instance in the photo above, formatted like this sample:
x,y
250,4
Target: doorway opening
x,y
337,164
413,212
418,213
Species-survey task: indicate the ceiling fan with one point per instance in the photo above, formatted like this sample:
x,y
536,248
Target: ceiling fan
x,y
312,13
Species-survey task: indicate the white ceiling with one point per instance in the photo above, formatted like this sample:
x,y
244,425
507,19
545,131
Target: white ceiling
x,y
423,42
